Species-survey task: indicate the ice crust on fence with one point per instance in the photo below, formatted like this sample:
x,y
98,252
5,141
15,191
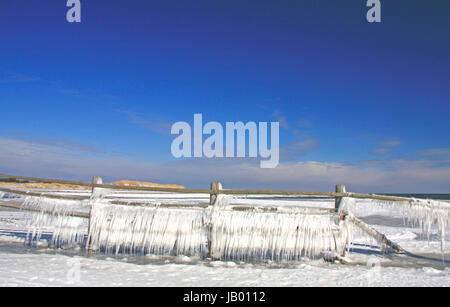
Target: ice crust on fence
x,y
100,193
241,235
52,216
148,230
65,230
215,231
428,215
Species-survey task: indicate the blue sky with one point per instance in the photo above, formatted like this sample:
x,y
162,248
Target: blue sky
x,y
362,104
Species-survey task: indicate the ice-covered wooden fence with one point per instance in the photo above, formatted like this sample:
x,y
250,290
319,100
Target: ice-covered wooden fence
x,y
215,229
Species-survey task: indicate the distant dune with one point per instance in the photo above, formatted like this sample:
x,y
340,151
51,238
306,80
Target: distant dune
x,y
130,183
127,183
39,185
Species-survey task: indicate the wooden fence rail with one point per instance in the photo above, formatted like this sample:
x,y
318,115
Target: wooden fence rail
x,y
214,190
37,194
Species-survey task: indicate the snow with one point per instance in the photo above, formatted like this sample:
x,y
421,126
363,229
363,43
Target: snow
x,y
43,265
29,269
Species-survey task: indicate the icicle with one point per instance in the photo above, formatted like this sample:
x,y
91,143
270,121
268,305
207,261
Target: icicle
x,y
426,214
222,201
101,193
235,235
243,235
52,217
347,204
345,236
149,230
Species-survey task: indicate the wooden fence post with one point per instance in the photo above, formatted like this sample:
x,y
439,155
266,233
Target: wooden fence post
x,y
215,190
340,188
95,180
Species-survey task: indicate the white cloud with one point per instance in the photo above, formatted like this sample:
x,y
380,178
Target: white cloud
x,y
44,160
162,127
17,78
298,149
281,119
435,152
386,147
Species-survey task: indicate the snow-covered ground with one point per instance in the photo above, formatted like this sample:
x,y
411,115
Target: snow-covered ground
x,y
21,265
47,269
